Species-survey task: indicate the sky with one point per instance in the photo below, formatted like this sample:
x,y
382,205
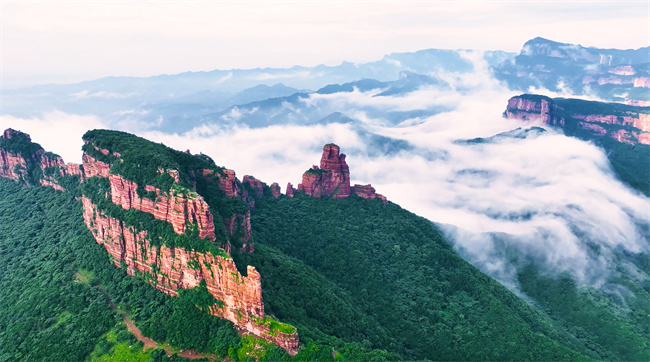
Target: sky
x,y
71,41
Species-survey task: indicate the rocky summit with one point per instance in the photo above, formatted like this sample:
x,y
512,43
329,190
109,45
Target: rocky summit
x,y
332,178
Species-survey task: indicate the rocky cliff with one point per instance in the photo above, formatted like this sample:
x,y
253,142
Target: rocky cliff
x,y
237,298
610,74
332,178
27,162
185,192
622,123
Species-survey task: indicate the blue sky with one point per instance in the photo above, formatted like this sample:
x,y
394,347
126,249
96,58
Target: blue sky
x,y
70,41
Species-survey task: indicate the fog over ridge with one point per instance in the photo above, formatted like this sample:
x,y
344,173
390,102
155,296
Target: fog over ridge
x,y
539,193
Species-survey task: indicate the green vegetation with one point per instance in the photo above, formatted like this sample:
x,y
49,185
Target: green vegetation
x,y
418,298
148,163
316,171
630,162
274,325
119,345
21,145
50,268
158,232
145,162
358,279
200,297
616,329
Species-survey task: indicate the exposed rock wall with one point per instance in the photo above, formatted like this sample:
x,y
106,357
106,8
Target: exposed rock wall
x,y
93,167
178,207
275,190
170,269
256,185
331,179
529,110
290,190
547,112
368,192
16,166
240,225
12,166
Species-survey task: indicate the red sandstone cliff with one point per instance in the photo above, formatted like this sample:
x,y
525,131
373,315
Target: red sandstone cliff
x,y
17,166
169,269
332,178
180,207
529,110
368,192
275,190
634,124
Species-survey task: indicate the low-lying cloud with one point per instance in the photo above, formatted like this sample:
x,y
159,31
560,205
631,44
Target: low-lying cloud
x,y
543,195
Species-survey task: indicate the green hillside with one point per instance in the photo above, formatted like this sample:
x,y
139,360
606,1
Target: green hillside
x,y
359,279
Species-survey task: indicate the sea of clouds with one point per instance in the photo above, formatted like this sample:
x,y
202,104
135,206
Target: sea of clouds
x,y
543,195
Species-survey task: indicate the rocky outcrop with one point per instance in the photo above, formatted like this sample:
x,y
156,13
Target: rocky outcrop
x,y
93,167
178,206
275,190
52,165
331,179
238,298
623,124
228,182
27,162
542,110
12,166
367,192
239,225
290,190
256,185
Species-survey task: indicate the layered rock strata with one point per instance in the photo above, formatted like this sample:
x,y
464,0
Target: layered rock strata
x,y
630,126
16,165
332,178
238,298
179,207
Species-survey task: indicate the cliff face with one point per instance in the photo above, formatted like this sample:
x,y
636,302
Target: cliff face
x,y
27,162
332,178
622,123
529,110
12,166
367,192
177,206
238,298
611,74
170,269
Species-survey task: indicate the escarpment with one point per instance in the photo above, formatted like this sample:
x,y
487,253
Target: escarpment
x,y
622,123
172,218
156,218
238,298
27,162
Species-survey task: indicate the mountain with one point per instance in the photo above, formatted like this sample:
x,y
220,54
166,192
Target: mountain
x,y
622,130
165,236
175,103
610,74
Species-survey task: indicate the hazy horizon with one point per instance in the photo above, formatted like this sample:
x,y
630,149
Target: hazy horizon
x,y
69,42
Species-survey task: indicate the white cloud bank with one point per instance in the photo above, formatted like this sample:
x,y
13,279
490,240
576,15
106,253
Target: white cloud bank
x,y
545,194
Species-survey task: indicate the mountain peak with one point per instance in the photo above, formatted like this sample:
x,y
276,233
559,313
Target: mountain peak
x,y
332,178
